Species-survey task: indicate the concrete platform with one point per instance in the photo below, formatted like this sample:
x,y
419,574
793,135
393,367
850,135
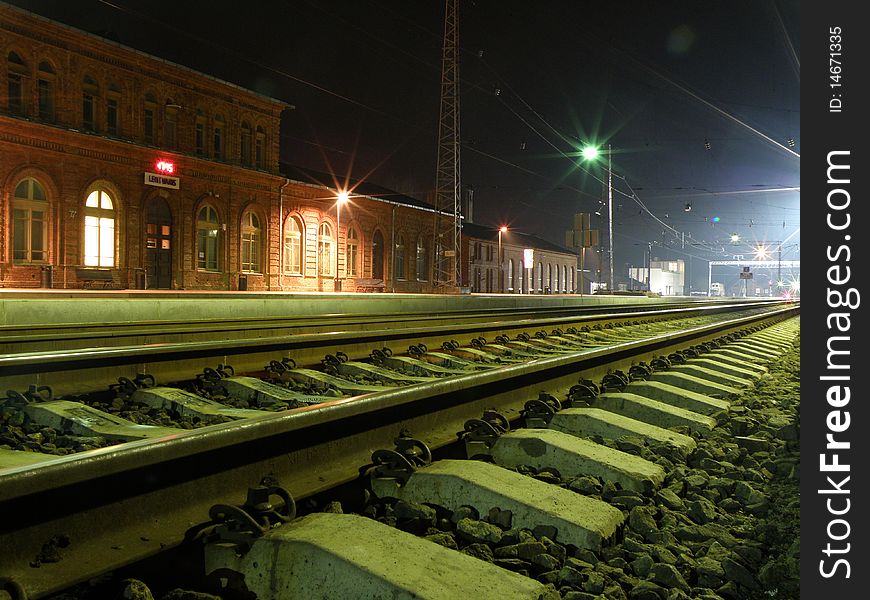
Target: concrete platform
x,y
81,419
190,405
669,394
586,422
579,520
326,556
654,412
574,457
267,395
695,384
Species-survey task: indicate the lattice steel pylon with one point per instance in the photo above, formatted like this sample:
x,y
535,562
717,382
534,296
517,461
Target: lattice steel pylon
x,y
448,216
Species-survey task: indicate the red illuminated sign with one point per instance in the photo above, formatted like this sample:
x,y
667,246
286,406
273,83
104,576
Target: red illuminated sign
x,y
164,166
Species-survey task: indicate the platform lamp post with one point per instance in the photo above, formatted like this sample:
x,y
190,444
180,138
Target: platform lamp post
x,y
340,199
501,230
591,153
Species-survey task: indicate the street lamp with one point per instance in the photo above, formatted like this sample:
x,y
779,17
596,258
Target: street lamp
x,y
340,199
590,153
501,230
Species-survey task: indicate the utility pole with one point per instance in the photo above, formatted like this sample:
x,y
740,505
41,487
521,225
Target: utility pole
x,y
448,199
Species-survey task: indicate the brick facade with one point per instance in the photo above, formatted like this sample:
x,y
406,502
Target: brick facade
x,y
84,120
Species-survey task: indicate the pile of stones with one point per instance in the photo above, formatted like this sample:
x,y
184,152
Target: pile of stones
x,y
724,526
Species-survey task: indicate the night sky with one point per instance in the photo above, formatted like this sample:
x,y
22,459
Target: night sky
x,y
699,101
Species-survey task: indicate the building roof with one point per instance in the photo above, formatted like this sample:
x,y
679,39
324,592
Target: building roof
x,y
111,42
355,186
513,236
379,193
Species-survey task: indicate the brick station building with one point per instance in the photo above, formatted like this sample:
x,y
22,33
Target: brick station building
x,y
122,170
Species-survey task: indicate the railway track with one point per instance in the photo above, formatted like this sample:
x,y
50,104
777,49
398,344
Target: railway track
x,y
158,488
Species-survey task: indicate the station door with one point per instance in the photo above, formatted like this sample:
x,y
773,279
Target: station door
x,y
158,249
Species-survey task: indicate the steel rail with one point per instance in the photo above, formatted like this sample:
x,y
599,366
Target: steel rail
x,y
60,360
61,331
126,503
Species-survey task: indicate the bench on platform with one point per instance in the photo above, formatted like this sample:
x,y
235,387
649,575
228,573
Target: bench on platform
x,y
92,278
369,285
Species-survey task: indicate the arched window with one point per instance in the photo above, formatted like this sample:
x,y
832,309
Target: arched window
x,y
556,287
16,78
510,274
549,283
325,250
422,260
565,279
29,222
99,229
218,138
45,91
245,146
148,115
399,258
260,148
293,245
90,94
540,277
521,277
353,253
113,110
251,242
208,229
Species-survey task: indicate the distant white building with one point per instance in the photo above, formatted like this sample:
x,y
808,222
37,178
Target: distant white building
x,y
667,277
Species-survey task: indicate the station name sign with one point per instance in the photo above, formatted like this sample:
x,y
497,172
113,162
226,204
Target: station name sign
x,y
164,181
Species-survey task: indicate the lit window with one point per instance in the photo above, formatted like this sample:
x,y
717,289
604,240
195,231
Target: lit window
x,y
293,244
540,277
90,92
207,239
17,75
510,274
325,249
422,260
29,222
45,91
399,258
352,252
99,229
556,287
250,242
